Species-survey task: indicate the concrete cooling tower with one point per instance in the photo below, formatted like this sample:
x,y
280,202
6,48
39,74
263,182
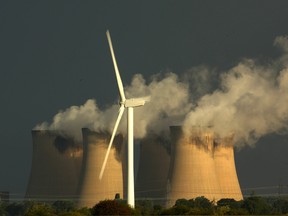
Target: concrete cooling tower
x,y
55,169
202,165
226,170
192,170
92,190
186,167
153,170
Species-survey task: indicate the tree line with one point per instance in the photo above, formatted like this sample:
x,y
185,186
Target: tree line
x,y
254,205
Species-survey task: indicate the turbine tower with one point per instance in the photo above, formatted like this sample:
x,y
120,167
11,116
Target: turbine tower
x,y
130,104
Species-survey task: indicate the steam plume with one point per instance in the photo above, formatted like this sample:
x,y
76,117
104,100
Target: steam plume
x,y
251,100
169,103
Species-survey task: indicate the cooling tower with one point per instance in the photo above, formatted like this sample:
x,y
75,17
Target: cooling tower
x,y
56,165
226,170
92,190
153,170
192,170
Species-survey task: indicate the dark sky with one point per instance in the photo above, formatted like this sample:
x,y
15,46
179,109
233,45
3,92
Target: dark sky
x,y
54,54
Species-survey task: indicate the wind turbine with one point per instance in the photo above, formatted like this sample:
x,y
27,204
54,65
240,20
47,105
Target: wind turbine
x,y
129,104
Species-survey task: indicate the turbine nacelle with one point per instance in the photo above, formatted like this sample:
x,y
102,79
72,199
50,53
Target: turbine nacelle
x,y
134,102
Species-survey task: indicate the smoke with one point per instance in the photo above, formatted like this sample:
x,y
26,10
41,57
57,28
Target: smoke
x,y
249,100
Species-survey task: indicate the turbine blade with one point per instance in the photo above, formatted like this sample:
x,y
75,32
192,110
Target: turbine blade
x,y
118,77
121,111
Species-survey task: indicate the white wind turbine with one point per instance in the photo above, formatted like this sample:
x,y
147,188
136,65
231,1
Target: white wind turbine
x,y
129,104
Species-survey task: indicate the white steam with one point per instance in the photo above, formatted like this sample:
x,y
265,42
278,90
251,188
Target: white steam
x,y
169,104
250,102
72,119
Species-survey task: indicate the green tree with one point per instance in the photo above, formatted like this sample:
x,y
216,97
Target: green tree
x,y
72,213
182,202
157,209
203,202
61,206
15,209
228,202
111,207
144,207
40,210
235,207
176,210
85,211
197,206
281,206
223,210
2,209
256,206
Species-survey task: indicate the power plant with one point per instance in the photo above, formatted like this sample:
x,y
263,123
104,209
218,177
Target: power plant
x,y
184,166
